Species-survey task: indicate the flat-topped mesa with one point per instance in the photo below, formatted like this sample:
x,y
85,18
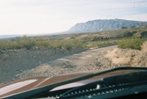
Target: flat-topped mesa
x,y
103,25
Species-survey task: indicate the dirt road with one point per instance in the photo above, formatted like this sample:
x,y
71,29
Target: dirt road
x,y
24,64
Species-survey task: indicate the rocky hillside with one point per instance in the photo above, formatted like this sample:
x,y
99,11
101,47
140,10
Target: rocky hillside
x,y
103,25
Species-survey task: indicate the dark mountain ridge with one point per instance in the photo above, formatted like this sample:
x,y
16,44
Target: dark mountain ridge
x,y
103,25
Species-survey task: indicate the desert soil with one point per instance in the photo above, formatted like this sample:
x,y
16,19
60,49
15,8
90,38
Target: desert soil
x,y
19,64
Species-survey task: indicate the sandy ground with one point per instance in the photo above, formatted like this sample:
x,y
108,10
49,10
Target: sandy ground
x,y
18,64
129,57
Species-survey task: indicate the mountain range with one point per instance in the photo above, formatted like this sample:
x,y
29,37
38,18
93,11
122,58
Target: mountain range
x,y
9,36
103,25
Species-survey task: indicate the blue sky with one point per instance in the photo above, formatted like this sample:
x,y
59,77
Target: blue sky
x,y
48,16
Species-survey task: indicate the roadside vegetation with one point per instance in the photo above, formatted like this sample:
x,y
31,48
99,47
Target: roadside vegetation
x,y
132,43
31,43
125,38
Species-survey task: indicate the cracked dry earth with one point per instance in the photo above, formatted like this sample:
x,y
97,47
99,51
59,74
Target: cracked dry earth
x,y
24,64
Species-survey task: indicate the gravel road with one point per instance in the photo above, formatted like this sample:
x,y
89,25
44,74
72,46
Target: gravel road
x,y
18,64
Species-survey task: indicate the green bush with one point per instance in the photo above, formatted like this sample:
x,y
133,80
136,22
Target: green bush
x,y
30,43
42,44
133,43
26,42
101,43
73,44
23,42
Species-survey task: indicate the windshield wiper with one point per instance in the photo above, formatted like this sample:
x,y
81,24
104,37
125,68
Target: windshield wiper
x,y
39,92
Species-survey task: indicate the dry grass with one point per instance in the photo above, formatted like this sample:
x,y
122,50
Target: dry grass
x,y
144,47
128,56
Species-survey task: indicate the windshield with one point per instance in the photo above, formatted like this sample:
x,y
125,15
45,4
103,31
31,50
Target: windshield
x,y
51,38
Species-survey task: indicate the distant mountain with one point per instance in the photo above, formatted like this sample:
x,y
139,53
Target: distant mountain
x,y
8,36
102,25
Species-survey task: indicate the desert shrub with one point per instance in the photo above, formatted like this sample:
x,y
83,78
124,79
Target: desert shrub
x,y
14,45
27,42
2,45
23,42
71,44
39,43
42,44
10,45
57,44
101,43
133,43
